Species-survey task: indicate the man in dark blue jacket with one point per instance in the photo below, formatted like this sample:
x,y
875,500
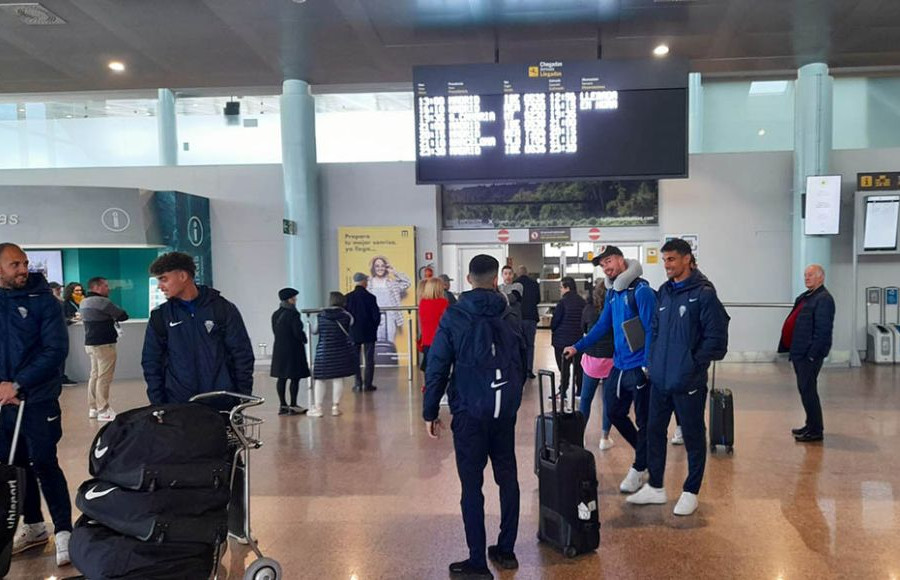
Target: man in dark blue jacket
x,y
35,343
531,297
196,342
479,350
566,330
363,306
629,298
690,330
807,335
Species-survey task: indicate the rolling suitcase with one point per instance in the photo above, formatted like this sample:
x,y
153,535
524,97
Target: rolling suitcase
x,y
721,417
567,483
569,426
12,494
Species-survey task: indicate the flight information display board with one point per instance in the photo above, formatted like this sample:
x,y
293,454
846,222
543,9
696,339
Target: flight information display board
x,y
551,121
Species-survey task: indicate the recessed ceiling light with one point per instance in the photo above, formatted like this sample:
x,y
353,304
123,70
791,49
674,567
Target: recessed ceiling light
x,y
661,50
116,66
761,132
68,116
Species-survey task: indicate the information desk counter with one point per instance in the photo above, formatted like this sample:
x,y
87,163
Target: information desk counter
x,y
128,363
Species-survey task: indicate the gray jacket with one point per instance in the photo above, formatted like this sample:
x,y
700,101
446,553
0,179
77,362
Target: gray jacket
x,y
100,316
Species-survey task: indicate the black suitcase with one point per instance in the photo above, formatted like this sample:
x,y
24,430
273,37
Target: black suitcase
x,y
569,427
721,417
164,515
12,496
103,554
143,448
567,483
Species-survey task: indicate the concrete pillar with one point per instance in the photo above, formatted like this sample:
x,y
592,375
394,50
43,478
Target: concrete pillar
x,y
167,128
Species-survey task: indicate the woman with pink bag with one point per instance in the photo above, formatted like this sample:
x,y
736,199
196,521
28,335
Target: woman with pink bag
x,y
597,362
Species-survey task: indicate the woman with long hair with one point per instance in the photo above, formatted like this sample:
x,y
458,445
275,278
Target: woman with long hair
x,y
432,305
389,287
72,297
597,362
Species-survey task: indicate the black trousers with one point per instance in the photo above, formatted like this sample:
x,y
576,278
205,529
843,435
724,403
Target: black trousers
x,y
36,452
808,384
475,441
566,366
620,390
366,350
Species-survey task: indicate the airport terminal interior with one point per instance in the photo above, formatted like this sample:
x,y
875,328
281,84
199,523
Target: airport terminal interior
x,y
711,186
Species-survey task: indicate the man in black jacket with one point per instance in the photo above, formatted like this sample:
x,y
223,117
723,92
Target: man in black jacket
x,y
363,306
807,335
566,327
34,345
100,318
531,297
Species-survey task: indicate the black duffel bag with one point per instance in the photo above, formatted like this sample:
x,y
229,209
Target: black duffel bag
x,y
103,554
182,445
164,515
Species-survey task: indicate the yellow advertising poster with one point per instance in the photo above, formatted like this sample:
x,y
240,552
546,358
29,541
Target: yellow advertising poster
x,y
388,256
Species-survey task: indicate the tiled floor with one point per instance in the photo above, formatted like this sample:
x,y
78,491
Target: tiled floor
x,y
368,496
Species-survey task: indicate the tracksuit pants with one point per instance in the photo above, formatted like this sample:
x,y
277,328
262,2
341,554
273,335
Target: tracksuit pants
x,y
690,408
620,390
36,452
475,441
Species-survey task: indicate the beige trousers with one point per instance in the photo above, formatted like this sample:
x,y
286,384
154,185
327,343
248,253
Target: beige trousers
x,y
103,367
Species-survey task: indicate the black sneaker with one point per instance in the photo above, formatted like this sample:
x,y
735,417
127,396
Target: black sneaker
x,y
466,569
799,430
505,561
370,388
531,375
284,410
807,437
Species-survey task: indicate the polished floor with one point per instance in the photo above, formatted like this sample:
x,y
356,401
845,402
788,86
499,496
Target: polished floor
x,y
368,496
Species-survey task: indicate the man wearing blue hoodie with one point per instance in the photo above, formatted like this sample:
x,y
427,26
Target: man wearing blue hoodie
x,y
479,358
630,304
690,331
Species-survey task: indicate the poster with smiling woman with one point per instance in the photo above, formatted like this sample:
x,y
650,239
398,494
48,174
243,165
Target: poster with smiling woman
x,y
388,256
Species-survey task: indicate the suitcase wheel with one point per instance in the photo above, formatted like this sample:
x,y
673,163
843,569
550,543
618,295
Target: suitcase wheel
x,y
264,569
570,552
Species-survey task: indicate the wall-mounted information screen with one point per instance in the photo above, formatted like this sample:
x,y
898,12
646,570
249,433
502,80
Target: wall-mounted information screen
x,y
551,121
882,212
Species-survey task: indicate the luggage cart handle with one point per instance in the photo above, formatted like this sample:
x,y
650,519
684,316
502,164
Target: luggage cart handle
x,y
249,401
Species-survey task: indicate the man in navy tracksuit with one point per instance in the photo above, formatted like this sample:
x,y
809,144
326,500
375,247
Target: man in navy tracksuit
x,y
480,351
690,331
628,297
196,342
34,343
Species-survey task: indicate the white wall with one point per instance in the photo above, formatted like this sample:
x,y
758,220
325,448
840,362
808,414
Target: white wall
x,y
245,212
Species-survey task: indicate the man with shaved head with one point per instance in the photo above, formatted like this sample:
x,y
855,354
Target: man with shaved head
x,y
807,335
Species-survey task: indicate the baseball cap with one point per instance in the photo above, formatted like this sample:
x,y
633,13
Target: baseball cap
x,y
359,277
446,278
607,252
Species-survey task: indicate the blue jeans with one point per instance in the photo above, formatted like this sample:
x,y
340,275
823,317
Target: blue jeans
x,y
588,389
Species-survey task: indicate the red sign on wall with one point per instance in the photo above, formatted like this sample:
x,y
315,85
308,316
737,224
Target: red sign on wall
x,y
503,236
594,234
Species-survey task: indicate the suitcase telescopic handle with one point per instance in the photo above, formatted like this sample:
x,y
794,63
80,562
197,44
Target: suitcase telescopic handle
x,y
541,374
18,428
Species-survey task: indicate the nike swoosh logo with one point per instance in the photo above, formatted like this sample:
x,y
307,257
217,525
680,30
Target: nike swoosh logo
x,y
693,392
641,386
693,299
661,308
171,324
497,385
52,419
100,452
94,494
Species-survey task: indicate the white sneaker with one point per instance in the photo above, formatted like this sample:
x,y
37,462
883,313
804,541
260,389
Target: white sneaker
x,y
29,536
92,413
632,481
606,444
335,411
678,438
314,412
648,495
106,416
62,548
687,504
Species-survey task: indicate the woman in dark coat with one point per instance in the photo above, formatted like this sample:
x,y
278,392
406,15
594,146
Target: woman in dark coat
x,y
335,354
288,352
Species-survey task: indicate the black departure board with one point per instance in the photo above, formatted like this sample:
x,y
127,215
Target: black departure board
x,y
551,121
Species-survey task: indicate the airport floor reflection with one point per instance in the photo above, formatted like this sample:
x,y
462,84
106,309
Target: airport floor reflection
x,y
367,496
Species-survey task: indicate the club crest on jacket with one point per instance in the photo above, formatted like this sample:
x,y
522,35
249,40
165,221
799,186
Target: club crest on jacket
x,y
209,326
